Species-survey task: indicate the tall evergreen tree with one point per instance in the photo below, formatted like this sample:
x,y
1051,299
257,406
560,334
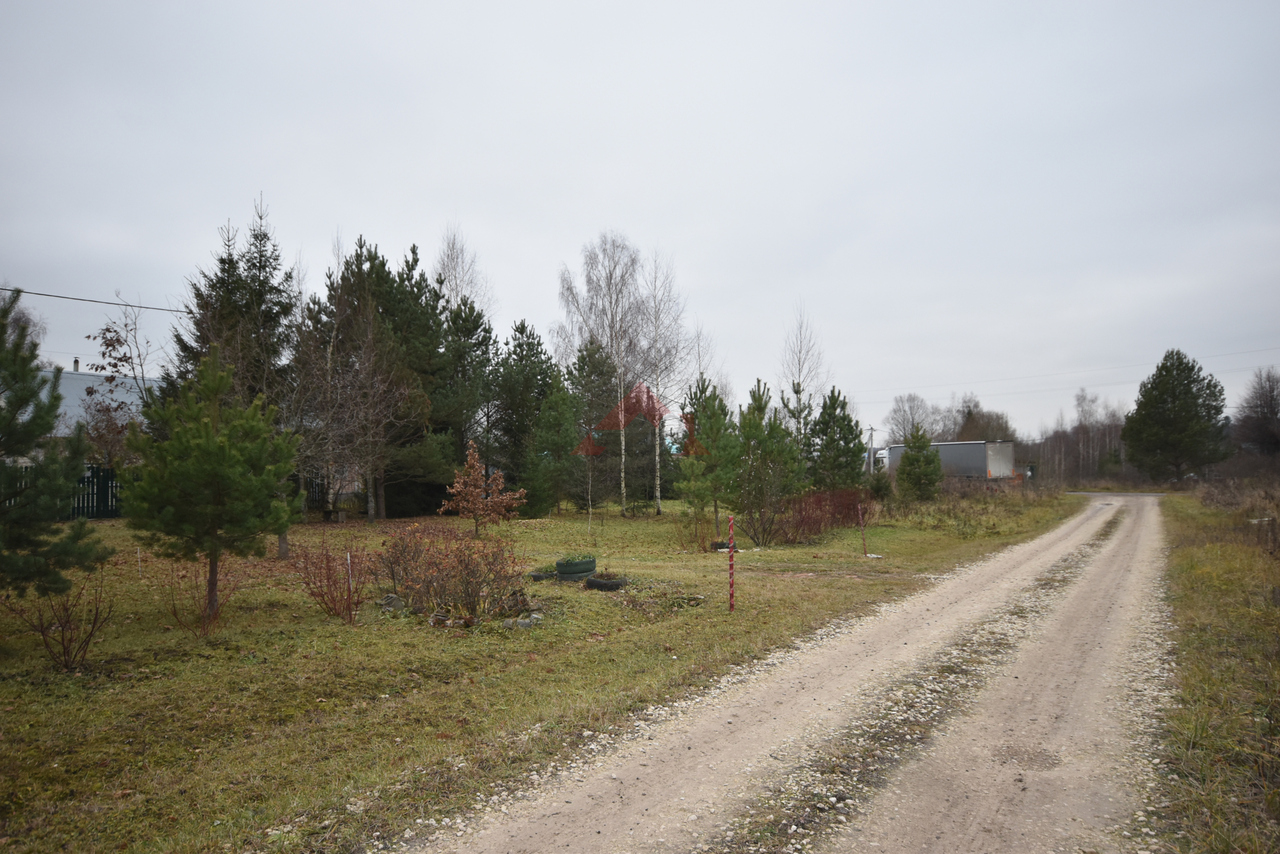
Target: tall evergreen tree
x,y
412,309
38,473
214,485
839,454
551,466
714,432
524,377
799,419
920,470
245,305
769,468
463,405
1177,423
592,380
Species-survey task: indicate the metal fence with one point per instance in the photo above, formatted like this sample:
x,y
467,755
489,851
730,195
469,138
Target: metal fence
x,y
98,496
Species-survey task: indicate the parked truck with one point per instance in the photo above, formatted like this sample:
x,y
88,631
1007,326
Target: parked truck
x,y
978,460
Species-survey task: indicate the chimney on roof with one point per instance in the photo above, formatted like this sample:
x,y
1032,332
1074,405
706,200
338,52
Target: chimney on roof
x,y
75,366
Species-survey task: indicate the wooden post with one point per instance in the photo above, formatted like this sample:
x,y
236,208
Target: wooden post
x,y
731,551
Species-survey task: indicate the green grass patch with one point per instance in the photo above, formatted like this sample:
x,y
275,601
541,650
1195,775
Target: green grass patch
x,y
1223,732
289,730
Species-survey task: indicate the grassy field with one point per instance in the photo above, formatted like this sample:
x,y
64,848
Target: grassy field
x,y
1223,734
292,731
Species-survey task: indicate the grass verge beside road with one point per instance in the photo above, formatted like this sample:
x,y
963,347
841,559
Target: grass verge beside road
x,y
1223,732
291,731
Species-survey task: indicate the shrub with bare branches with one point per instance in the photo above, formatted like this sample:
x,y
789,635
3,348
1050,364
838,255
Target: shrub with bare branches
x,y
189,602
338,580
811,515
443,571
67,623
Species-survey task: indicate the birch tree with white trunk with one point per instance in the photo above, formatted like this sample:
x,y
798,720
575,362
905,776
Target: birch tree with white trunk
x,y
665,347
605,309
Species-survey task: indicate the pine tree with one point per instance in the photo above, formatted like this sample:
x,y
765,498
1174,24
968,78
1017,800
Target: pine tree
x,y
713,429
1177,423
522,380
839,453
769,470
38,473
551,464
920,469
215,485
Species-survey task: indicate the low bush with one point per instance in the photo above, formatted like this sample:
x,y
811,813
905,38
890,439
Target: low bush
x,y
66,624
438,569
811,515
338,581
189,599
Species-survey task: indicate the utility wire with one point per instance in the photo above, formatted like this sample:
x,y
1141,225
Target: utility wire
x,y
98,301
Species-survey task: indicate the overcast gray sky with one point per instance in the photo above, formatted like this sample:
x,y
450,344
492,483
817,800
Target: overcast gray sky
x,y
1015,199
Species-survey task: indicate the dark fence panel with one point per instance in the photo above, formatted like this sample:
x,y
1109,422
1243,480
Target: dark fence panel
x,y
316,492
99,496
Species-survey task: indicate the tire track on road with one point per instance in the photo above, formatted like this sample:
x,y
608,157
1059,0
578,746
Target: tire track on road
x,y
675,783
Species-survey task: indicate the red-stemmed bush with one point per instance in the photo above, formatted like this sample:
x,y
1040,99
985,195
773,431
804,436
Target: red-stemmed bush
x,y
811,515
66,624
338,580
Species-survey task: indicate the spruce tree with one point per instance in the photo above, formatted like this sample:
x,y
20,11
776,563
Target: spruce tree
x,y
38,472
524,377
245,306
551,464
920,469
214,486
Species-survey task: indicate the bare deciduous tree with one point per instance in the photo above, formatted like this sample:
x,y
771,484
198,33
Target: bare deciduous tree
x,y
457,274
1088,448
803,373
665,346
115,401
605,310
908,412
702,355
1258,415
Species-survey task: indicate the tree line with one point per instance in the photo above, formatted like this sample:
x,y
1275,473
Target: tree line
x,y
376,389
1176,427
386,377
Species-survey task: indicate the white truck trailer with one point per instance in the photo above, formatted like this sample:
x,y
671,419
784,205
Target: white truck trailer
x,y
978,460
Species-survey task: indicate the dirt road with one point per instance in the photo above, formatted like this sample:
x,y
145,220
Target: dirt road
x,y
992,712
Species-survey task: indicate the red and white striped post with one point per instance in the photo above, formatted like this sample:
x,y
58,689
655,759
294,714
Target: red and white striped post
x,y
731,551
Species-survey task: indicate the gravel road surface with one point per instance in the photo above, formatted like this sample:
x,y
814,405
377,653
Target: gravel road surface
x,y
999,710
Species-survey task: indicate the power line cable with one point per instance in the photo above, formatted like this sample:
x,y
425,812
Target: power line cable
x,y
98,301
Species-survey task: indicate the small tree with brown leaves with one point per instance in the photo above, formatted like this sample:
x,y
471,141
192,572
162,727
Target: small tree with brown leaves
x,y
480,499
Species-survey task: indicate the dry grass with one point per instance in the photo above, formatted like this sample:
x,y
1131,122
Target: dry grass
x,y
1223,734
290,730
